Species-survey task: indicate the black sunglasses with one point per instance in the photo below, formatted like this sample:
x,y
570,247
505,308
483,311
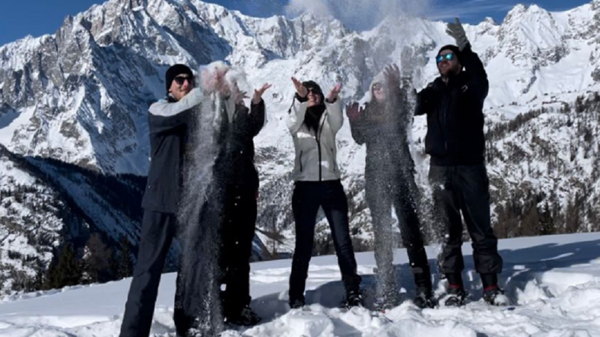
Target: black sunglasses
x,y
447,57
180,79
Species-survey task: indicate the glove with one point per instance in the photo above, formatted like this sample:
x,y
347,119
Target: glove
x,y
354,112
457,31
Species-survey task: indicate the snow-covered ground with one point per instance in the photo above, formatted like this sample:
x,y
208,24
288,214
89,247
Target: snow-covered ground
x,y
554,282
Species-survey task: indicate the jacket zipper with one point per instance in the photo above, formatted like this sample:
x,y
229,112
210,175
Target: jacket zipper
x,y
318,139
300,160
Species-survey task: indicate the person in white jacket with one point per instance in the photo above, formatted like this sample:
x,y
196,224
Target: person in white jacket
x,y
313,122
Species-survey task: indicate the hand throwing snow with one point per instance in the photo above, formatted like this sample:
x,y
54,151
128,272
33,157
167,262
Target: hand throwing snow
x,y
259,92
333,94
300,89
457,31
354,111
392,75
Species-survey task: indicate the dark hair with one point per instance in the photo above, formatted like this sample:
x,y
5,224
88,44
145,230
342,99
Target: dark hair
x,y
314,113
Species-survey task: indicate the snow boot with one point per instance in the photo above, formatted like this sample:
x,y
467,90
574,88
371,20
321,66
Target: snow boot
x,y
424,298
297,303
495,296
456,297
353,299
244,317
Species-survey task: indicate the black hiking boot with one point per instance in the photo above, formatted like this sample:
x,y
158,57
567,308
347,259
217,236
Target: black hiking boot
x,y
244,317
456,297
297,303
495,296
424,298
353,299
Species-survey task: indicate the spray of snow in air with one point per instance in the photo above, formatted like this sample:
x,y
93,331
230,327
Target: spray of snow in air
x,y
202,203
399,22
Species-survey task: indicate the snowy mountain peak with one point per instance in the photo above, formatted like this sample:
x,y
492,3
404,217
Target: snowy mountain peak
x,y
490,20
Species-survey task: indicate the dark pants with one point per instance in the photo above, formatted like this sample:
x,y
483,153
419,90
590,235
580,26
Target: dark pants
x,y
158,231
237,233
465,189
306,199
383,192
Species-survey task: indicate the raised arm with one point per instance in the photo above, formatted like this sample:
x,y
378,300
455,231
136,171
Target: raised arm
x,y
174,114
334,109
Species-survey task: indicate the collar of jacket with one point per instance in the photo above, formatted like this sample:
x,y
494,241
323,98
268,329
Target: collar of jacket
x,y
453,81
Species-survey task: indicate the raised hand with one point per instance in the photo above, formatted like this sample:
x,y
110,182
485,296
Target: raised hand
x,y
392,75
333,94
240,96
300,89
456,31
259,92
353,111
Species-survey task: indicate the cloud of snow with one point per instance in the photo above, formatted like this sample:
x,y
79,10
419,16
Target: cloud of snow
x,y
316,7
469,9
360,14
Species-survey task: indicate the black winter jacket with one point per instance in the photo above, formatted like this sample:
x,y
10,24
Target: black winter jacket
x,y
235,159
455,119
384,130
168,122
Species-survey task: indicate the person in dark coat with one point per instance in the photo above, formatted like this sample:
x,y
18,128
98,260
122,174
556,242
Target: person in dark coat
x,y
383,125
234,171
313,122
169,120
453,104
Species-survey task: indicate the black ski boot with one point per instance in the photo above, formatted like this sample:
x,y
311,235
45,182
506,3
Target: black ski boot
x,y
297,303
424,298
353,299
495,296
244,317
456,297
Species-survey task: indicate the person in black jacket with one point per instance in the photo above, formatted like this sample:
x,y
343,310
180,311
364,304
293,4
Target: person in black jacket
x,y
235,173
383,125
455,141
169,121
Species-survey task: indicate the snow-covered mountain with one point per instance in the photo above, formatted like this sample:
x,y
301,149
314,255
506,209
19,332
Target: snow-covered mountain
x,y
80,97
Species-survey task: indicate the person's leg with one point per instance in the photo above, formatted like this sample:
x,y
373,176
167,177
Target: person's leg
x,y
475,204
335,206
412,239
381,214
410,230
448,214
305,205
158,230
238,234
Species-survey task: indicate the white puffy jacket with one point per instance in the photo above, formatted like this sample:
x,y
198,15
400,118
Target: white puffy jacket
x,y
315,152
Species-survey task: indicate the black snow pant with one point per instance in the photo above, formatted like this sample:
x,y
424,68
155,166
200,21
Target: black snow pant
x,y
383,192
306,199
158,231
465,189
237,234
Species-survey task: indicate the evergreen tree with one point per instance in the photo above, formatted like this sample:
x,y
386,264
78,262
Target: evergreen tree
x,y
67,271
96,260
125,266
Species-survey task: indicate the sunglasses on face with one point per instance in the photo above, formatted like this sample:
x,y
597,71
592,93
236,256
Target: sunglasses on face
x,y
180,79
445,57
377,86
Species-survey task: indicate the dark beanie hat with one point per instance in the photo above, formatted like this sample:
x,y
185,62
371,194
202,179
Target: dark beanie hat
x,y
175,70
454,50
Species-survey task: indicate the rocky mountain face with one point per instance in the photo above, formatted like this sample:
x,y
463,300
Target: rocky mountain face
x,y
73,111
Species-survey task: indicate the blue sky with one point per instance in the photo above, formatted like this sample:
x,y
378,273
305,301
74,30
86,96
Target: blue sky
x,y
38,17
